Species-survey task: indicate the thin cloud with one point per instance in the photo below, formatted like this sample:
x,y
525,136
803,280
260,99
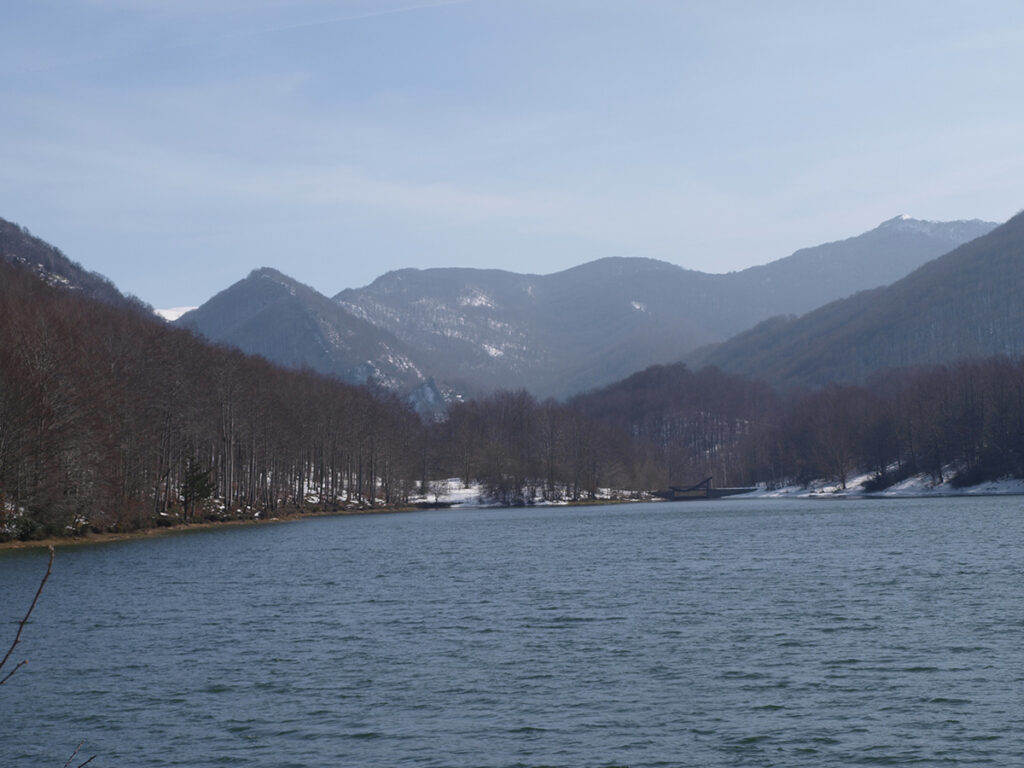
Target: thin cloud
x,y
341,19
236,35
373,14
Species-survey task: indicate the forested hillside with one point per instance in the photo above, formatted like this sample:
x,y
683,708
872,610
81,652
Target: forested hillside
x,y
815,276
111,420
963,421
968,303
19,246
669,425
688,425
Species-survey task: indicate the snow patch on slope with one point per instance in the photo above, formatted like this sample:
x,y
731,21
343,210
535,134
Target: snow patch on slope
x,y
958,230
476,299
913,487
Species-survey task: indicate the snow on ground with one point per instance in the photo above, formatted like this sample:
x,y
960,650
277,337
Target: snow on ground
x,y
918,485
454,493
172,314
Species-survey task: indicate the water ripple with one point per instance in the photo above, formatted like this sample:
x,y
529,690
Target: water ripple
x,y
723,634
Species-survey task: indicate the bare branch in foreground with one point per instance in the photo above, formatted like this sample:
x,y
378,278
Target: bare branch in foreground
x,y
75,753
10,674
24,621
19,665
68,763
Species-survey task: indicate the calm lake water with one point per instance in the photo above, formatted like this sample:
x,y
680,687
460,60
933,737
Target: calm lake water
x,y
729,633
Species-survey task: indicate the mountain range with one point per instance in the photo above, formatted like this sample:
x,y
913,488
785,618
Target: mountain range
x,y
958,294
480,330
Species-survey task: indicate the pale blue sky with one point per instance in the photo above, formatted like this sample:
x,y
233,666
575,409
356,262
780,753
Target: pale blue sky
x,y
175,145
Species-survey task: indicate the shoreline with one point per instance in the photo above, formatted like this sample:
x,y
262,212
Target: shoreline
x,y
291,517
147,533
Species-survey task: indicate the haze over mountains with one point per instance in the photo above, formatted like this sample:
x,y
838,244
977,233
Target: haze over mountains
x,y
477,331
555,335
967,303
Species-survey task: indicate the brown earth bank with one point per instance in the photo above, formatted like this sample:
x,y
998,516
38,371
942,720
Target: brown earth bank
x,y
178,528
148,533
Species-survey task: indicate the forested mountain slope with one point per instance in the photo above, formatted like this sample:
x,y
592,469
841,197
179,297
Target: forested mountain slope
x,y
276,317
962,422
815,276
584,327
968,303
110,419
19,246
690,424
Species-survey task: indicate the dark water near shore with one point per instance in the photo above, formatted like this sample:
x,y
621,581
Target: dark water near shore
x,y
731,633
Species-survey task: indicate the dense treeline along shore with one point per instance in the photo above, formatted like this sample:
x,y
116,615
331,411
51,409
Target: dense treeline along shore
x,y
112,421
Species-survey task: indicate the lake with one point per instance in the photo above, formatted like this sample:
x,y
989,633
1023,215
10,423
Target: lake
x,y
725,633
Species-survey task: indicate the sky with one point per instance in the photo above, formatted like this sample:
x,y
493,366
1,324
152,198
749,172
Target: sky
x,y
175,145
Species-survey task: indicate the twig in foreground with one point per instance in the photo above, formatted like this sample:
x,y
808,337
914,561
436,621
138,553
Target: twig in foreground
x,y
24,621
73,754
